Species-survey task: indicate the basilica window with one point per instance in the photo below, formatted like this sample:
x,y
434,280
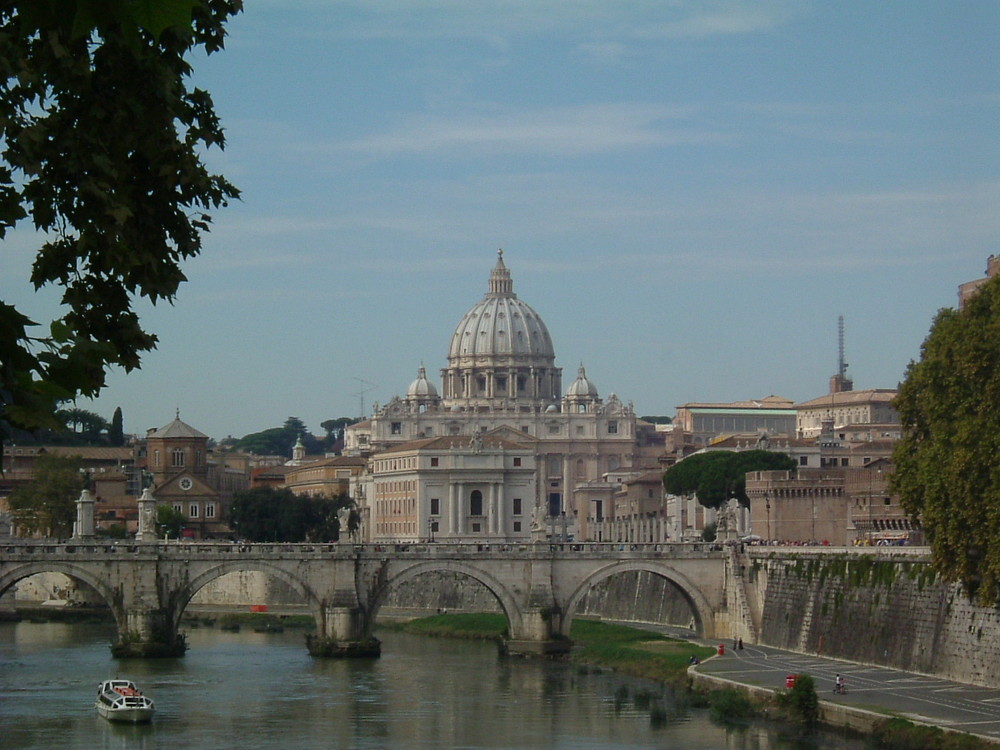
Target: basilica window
x,y
613,427
397,428
476,503
435,461
520,385
517,510
502,383
435,506
517,460
517,526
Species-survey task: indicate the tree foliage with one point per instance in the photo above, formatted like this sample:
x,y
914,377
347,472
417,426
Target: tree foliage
x,y
279,441
99,154
46,505
116,432
170,522
947,474
265,514
716,476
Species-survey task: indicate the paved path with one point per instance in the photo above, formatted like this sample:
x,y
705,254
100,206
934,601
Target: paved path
x,y
931,700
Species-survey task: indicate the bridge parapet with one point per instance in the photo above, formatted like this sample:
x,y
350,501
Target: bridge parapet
x,y
305,551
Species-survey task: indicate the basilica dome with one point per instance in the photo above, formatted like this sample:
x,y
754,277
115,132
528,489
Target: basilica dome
x,y
501,325
501,352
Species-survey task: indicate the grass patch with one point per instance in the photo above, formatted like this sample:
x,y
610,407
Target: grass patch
x,y
483,626
262,619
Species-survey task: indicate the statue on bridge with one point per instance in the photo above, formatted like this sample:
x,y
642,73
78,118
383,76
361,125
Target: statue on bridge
x,y
538,524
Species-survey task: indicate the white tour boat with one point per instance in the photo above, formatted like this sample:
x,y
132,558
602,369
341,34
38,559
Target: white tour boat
x,y
121,700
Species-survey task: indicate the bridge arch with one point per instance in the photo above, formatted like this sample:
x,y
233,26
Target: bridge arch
x,y
185,594
504,597
701,609
73,570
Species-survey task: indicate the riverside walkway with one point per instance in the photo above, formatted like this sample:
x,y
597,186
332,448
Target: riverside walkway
x,y
872,691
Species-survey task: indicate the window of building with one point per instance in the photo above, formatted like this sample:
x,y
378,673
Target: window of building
x,y
156,458
476,503
501,383
476,528
517,526
517,506
844,461
579,429
177,457
193,510
434,527
520,385
178,508
554,429
209,510
555,503
517,460
435,506
434,461
397,428
555,466
613,427
803,460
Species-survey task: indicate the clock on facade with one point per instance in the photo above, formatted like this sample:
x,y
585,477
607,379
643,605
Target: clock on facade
x,y
185,483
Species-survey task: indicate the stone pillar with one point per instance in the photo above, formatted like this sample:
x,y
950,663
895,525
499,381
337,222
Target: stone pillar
x,y
147,517
344,629
84,526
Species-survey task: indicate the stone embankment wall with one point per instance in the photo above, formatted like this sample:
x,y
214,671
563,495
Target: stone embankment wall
x,y
888,608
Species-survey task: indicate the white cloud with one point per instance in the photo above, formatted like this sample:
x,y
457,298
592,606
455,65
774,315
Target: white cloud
x,y
592,128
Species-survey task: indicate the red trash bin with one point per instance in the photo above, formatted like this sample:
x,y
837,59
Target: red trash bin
x,y
790,680
722,649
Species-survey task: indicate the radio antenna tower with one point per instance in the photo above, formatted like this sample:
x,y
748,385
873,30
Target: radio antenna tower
x,y
841,364
361,394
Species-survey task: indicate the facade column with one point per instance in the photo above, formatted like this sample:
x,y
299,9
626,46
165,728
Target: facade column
x,y
460,509
452,509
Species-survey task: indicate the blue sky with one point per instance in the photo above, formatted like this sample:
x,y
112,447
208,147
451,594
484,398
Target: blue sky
x,y
689,193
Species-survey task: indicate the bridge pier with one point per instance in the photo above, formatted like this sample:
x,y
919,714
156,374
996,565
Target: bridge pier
x,y
539,634
147,633
344,633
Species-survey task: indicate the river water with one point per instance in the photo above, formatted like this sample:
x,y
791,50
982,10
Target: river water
x,y
252,690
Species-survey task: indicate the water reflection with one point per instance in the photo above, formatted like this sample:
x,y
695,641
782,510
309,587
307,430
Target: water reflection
x,y
265,690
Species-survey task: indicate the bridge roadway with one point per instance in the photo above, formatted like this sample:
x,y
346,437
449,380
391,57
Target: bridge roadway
x,y
147,585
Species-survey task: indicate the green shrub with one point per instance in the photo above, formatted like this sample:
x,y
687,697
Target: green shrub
x,y
801,701
730,706
900,734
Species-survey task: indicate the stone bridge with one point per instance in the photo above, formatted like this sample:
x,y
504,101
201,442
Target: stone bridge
x,y
147,585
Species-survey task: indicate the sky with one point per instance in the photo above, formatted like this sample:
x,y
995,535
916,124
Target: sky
x,y
689,192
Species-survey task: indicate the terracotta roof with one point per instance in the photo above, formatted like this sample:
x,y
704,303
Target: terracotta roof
x,y
768,402
871,395
177,429
89,452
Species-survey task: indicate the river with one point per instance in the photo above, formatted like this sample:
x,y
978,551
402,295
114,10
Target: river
x,y
254,691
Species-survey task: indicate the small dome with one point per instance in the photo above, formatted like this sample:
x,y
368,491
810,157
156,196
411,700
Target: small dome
x,y
551,409
421,388
582,387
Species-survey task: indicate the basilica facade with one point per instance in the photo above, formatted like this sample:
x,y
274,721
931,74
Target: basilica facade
x,y
501,393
